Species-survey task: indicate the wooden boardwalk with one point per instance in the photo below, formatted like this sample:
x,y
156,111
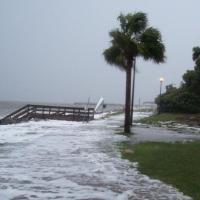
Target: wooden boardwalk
x,y
38,112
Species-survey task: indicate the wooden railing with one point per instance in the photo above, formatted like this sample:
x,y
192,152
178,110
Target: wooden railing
x,y
49,112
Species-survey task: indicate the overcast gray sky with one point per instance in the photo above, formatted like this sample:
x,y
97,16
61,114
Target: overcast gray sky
x,y
51,50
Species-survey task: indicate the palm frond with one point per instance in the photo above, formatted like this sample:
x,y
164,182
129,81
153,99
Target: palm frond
x,y
118,38
113,56
125,43
137,23
151,46
123,23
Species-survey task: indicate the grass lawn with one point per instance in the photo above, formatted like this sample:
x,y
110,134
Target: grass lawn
x,y
190,119
176,164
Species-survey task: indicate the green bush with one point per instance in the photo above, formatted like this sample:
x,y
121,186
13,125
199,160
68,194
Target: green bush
x,y
180,101
185,99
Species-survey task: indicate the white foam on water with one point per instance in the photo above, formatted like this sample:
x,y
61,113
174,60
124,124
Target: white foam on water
x,y
72,160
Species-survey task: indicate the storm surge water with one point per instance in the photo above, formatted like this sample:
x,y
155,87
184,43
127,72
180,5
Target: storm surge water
x,y
71,160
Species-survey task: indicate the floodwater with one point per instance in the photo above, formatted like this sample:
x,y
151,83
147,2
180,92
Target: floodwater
x,y
157,134
72,160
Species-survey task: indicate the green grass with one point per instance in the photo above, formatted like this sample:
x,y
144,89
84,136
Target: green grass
x,y
154,119
177,164
190,119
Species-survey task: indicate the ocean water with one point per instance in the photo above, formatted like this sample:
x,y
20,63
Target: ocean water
x,y
72,160
7,107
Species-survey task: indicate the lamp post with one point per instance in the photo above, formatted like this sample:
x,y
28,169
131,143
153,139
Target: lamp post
x,y
161,83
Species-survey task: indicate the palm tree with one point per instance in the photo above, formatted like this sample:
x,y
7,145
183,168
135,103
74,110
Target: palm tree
x,y
133,39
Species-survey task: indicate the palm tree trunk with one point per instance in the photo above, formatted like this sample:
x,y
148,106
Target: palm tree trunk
x,y
133,90
127,123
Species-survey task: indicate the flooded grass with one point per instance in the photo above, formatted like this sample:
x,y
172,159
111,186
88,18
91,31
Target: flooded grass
x,y
189,119
173,163
164,117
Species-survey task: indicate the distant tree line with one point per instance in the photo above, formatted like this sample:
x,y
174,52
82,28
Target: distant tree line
x,y
186,98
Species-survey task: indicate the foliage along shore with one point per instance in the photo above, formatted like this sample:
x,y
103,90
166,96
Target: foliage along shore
x,y
186,98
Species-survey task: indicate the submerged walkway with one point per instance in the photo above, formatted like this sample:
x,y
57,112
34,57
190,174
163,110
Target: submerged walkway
x,y
72,160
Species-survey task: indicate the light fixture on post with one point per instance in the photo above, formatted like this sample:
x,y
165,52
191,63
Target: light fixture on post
x,y
161,83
